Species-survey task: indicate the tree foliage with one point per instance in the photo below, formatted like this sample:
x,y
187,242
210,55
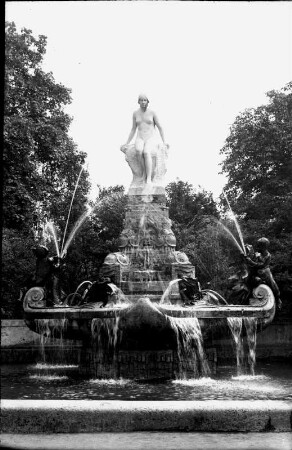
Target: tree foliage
x,y
187,208
195,222
258,162
41,163
97,238
17,265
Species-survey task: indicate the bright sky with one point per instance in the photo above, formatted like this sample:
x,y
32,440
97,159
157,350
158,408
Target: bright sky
x,y
200,63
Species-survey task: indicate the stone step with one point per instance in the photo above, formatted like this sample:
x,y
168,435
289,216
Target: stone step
x,y
75,416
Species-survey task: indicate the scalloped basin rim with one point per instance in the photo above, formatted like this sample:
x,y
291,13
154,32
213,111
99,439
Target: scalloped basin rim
x,y
91,312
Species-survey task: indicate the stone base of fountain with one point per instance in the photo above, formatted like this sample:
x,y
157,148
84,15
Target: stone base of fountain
x,y
146,340
153,318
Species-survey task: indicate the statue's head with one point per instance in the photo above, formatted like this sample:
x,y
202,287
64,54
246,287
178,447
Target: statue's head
x,y
40,251
143,97
263,243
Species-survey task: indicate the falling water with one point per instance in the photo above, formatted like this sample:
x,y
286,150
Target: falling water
x,y
109,326
49,330
105,337
142,236
190,351
42,328
251,333
235,325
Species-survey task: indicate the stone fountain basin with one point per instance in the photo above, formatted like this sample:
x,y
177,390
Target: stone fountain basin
x,y
204,312
146,318
262,308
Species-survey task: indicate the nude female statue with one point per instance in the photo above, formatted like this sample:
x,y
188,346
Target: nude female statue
x,y
146,144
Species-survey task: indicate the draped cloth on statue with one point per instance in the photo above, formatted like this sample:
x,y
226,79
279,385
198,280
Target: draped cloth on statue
x,y
159,158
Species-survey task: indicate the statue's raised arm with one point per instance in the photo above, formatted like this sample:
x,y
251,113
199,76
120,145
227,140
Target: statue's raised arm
x,y
147,156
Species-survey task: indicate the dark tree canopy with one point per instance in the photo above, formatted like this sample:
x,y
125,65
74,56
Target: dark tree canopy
x,y
194,216
258,162
187,204
41,163
98,236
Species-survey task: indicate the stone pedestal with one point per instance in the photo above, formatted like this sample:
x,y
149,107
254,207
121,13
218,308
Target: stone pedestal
x,y
147,260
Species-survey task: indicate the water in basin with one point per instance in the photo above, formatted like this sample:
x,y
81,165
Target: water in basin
x,y
272,381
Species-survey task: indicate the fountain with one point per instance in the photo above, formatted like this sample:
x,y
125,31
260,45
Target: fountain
x,y
146,317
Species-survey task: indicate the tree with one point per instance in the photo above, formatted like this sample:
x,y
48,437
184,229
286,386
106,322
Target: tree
x,y
97,237
41,163
17,265
187,208
258,162
195,222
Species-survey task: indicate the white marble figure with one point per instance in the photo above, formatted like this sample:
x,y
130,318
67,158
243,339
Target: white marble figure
x,y
147,156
